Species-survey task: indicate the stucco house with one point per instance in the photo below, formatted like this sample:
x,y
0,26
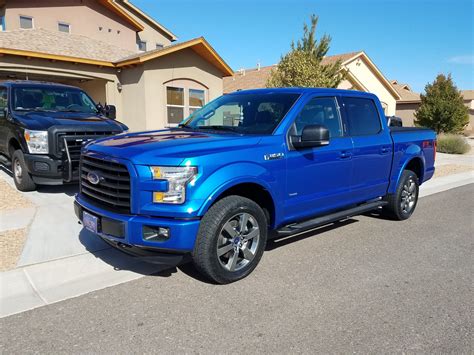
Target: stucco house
x,y
410,101
362,75
114,51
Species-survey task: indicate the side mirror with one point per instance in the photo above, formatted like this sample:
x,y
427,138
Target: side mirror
x,y
312,136
110,112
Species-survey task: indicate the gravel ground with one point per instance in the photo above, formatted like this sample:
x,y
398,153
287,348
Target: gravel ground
x,y
449,169
367,286
11,246
11,198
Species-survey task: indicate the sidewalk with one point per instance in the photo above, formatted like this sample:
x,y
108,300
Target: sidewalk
x,y
76,262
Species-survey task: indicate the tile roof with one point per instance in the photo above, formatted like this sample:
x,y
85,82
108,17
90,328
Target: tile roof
x,y
257,78
406,95
60,43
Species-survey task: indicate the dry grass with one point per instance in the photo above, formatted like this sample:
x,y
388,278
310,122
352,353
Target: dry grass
x,y
11,246
450,169
11,198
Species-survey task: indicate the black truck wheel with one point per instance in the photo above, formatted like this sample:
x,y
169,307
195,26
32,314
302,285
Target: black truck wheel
x,y
402,203
22,178
231,240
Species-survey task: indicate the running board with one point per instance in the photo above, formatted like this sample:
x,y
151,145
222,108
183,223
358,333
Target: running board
x,y
327,219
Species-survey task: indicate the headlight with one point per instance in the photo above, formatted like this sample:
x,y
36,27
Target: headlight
x,y
177,177
37,141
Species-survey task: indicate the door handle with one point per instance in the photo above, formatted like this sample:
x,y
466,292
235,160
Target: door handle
x,y
345,155
384,150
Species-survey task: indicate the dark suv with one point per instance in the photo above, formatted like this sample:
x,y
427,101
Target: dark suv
x,y
43,127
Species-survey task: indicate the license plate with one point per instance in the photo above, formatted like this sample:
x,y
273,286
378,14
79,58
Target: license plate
x,y
90,221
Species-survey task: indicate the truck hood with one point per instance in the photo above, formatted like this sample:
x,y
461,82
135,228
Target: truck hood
x,y
41,121
170,146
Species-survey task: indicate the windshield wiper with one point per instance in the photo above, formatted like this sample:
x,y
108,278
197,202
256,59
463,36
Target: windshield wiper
x,y
219,128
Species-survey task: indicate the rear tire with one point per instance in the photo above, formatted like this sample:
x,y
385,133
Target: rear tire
x,y
231,240
402,203
21,177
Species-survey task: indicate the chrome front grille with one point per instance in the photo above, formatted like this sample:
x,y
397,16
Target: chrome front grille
x,y
112,191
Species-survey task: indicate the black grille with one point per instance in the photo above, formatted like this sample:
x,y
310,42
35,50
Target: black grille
x,y
73,141
113,190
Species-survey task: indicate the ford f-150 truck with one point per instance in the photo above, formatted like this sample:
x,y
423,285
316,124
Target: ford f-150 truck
x,y
42,128
250,166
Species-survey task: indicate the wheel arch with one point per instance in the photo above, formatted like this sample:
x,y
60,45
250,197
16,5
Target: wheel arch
x,y
13,144
248,188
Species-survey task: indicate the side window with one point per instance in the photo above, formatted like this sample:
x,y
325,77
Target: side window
x,y
3,99
322,111
362,116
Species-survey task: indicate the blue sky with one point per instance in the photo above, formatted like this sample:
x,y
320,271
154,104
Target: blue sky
x,y
411,41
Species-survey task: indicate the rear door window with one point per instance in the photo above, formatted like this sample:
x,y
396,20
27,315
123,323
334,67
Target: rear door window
x,y
362,116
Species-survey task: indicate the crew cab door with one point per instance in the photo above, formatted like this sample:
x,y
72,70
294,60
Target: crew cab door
x,y
318,178
372,155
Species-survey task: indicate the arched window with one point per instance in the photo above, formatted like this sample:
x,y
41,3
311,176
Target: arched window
x,y
183,97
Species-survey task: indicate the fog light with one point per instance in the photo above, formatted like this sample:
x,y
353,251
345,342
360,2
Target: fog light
x,y
41,166
156,234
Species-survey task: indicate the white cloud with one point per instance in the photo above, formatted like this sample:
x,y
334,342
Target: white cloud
x,y
462,59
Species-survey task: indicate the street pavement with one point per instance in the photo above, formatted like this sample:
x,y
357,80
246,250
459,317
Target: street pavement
x,y
368,285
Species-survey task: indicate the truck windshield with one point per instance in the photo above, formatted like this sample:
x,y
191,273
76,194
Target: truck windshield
x,y
242,113
52,99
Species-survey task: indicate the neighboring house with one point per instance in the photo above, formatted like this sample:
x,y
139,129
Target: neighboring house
x,y
410,101
362,75
114,51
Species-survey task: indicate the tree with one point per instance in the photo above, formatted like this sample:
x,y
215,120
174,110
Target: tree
x,y
442,108
302,65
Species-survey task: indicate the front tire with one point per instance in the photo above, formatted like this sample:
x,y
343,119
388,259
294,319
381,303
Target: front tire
x,y
21,177
231,240
402,203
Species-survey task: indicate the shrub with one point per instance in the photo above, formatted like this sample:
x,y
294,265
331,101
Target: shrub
x,y
452,144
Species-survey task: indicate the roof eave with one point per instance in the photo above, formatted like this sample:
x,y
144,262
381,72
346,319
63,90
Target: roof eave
x,y
64,58
172,37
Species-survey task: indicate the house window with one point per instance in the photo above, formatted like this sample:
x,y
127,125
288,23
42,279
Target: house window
x,y
196,100
175,104
159,46
141,45
26,22
2,23
183,97
64,27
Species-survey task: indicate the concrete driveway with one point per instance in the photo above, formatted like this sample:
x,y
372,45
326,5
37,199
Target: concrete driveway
x,y
365,286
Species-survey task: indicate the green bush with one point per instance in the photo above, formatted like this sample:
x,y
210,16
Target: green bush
x,y
452,144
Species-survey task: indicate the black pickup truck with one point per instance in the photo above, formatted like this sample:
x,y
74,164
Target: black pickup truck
x,y
43,127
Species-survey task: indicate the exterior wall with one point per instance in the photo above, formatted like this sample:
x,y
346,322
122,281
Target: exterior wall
x,y
183,65
133,98
150,33
74,12
372,83
406,111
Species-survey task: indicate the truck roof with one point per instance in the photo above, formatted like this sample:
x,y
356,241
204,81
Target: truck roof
x,y
34,83
301,90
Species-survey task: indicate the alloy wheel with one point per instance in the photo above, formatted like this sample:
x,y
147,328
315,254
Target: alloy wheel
x,y
408,196
238,241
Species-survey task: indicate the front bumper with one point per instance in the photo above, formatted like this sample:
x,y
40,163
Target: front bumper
x,y
44,169
127,230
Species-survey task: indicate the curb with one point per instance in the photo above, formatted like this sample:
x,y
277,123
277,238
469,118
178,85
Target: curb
x,y
37,285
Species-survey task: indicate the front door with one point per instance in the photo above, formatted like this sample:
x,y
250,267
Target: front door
x,y
319,178
3,120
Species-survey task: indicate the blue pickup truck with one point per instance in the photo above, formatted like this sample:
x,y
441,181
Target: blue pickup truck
x,y
247,167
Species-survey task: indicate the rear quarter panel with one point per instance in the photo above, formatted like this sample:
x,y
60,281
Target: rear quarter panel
x,y
408,145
